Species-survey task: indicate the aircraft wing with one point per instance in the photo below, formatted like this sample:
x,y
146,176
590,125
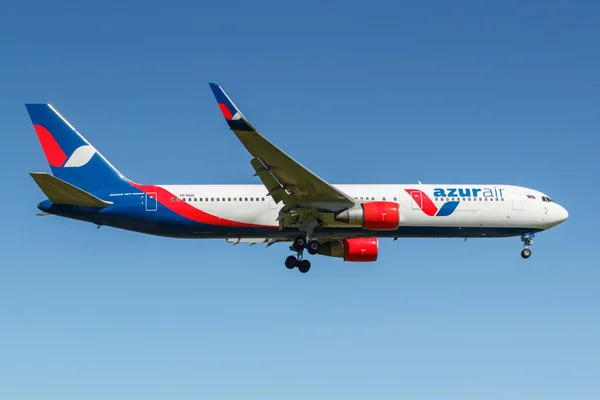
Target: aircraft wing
x,y
286,180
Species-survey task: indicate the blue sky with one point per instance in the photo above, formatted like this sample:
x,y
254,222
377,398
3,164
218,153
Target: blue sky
x,y
376,92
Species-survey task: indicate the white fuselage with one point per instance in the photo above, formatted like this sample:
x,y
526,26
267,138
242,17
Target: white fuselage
x,y
478,205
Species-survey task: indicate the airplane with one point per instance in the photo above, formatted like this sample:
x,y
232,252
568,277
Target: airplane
x,y
292,205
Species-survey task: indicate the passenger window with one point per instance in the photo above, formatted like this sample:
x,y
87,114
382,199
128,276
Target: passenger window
x,y
212,199
383,198
217,199
263,199
395,199
172,199
245,199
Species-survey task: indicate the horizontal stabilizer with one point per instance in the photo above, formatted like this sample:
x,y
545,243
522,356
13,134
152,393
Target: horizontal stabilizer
x,y
61,192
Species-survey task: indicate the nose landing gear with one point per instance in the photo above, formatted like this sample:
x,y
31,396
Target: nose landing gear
x,y
527,240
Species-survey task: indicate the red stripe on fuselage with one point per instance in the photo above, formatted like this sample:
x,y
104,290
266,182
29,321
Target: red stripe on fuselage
x,y
188,211
54,154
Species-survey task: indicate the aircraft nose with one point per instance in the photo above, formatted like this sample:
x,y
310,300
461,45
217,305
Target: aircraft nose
x,y
561,214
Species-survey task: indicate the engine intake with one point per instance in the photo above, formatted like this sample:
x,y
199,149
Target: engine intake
x,y
354,250
375,215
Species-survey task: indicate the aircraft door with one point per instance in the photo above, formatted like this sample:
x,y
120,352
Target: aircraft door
x,y
151,201
417,203
518,202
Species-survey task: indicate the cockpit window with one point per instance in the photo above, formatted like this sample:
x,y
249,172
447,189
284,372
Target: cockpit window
x,y
546,199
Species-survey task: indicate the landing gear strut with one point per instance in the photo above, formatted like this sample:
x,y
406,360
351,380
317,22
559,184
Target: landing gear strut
x,y
527,240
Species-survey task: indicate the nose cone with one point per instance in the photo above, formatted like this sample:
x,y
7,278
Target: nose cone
x,y
561,214
557,215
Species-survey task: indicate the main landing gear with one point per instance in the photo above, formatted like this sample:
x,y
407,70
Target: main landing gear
x,y
301,243
527,240
292,262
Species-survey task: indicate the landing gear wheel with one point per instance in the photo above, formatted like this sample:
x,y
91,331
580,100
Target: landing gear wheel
x,y
526,253
299,243
527,239
291,262
304,266
312,247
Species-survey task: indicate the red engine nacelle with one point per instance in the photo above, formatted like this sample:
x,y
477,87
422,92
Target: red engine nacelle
x,y
361,249
374,215
356,249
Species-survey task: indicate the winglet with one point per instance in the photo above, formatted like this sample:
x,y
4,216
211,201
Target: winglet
x,y
234,117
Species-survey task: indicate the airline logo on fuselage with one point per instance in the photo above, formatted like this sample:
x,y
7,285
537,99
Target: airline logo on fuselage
x,y
468,192
428,206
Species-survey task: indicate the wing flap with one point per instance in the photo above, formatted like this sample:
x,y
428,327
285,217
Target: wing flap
x,y
61,192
